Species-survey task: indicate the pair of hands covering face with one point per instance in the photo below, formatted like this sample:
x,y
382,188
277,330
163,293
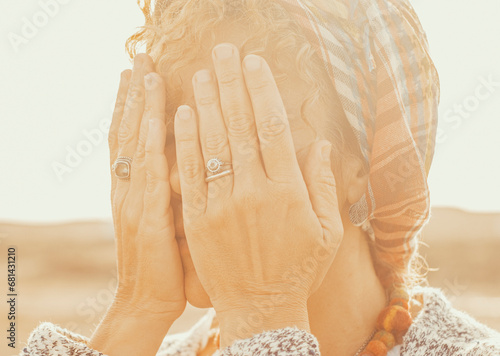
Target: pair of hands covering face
x,y
261,239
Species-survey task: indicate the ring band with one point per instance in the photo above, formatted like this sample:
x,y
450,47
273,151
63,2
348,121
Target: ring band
x,y
122,167
218,175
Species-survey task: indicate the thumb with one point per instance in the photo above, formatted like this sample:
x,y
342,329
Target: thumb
x,y
322,188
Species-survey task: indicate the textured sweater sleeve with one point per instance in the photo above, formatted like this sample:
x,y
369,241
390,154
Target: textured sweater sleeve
x,y
443,330
287,341
49,339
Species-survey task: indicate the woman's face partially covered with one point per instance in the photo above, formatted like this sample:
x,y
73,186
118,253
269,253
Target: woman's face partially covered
x,y
293,90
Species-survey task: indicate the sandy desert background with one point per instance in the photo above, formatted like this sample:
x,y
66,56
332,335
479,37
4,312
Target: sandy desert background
x,y
66,273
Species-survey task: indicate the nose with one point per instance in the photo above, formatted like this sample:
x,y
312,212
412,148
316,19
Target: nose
x,y
175,182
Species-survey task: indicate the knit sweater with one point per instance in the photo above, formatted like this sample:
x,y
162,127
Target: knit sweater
x,y
438,329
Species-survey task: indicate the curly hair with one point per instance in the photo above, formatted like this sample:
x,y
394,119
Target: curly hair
x,y
178,32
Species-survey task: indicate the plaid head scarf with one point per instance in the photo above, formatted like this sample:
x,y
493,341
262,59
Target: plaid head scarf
x,y
376,54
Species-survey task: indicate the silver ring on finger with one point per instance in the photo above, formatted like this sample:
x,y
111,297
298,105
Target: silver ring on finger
x,y
214,169
215,165
219,175
122,167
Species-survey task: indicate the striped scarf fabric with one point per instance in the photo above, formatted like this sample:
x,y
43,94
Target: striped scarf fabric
x,y
376,54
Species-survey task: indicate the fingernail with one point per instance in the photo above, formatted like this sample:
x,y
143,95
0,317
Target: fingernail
x,y
184,112
253,62
203,76
150,81
326,150
223,51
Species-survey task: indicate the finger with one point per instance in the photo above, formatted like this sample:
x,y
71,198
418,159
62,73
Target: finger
x,y
149,216
190,164
128,133
276,144
116,120
321,185
113,151
118,113
157,228
238,114
128,207
154,107
213,136
157,192
157,232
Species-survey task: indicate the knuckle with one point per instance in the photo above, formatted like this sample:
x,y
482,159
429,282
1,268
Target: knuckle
x,y
135,97
153,183
240,123
259,87
119,106
229,78
191,169
330,182
140,153
194,208
215,142
141,141
326,183
149,150
125,134
186,142
207,100
273,125
148,108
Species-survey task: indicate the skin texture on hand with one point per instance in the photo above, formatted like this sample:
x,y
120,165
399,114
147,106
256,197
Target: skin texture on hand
x,y
257,267
267,233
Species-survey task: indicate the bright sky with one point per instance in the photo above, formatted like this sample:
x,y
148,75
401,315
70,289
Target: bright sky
x,y
59,73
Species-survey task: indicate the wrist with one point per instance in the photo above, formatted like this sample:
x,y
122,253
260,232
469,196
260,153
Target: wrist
x,y
143,332
257,315
149,310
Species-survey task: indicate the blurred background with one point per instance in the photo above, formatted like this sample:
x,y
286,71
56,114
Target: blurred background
x,y
59,71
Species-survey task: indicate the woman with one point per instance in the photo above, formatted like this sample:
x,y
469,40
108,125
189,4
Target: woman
x,y
291,207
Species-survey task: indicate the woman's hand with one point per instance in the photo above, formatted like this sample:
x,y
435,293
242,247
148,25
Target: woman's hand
x,y
150,294
263,238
